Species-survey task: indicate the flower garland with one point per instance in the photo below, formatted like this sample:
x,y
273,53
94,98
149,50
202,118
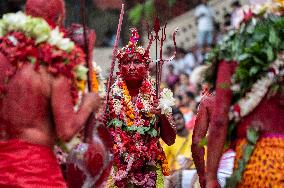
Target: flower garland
x,y
251,100
25,39
133,127
98,81
256,46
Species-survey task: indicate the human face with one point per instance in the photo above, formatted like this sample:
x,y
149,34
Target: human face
x,y
179,121
133,70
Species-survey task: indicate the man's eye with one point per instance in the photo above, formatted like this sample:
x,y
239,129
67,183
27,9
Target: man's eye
x,y
136,62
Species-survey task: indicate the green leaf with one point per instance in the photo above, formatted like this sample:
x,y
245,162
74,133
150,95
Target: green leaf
x,y
273,38
115,122
254,70
269,53
247,152
244,56
258,61
252,135
153,132
32,59
203,142
135,14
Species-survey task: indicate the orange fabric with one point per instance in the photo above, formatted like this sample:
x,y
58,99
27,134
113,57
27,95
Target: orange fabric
x,y
265,168
25,165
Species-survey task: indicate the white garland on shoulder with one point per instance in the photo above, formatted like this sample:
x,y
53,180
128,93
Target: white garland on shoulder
x,y
251,100
36,28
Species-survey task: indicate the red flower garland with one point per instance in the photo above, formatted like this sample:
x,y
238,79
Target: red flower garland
x,y
21,50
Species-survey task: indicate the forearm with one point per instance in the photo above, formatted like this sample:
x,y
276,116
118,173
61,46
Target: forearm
x,y
67,121
216,141
167,130
218,127
198,154
199,133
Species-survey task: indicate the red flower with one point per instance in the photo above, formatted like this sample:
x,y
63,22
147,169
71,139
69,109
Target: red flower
x,y
139,105
248,16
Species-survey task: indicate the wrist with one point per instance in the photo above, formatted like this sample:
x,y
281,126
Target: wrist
x,y
211,177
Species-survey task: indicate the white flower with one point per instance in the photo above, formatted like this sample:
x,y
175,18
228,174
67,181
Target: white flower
x,y
81,72
235,87
166,101
65,44
56,38
15,20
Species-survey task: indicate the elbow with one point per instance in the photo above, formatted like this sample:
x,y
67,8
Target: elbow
x,y
218,123
67,132
65,136
218,128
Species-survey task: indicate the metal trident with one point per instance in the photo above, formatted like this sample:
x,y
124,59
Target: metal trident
x,y
160,61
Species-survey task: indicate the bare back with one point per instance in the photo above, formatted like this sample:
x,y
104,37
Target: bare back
x,y
25,109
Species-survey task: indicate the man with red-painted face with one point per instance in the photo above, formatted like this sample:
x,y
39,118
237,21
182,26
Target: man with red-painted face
x,y
39,74
136,121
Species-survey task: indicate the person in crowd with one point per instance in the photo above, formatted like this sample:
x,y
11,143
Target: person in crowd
x,y
204,16
188,106
171,79
38,93
236,15
184,84
183,173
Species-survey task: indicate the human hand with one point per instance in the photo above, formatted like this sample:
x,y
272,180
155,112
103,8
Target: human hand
x,y
155,109
92,100
212,184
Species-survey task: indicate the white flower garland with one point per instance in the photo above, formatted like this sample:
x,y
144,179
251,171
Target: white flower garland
x,y
166,101
251,100
36,28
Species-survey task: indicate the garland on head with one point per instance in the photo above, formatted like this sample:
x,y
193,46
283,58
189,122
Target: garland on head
x,y
257,48
29,40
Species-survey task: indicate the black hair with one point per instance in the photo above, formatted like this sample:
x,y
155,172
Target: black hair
x,y
176,111
190,95
236,4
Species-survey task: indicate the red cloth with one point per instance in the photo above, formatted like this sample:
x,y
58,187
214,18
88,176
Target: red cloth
x,y
25,165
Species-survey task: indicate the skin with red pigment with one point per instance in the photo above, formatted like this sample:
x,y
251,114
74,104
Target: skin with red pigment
x,y
133,72
37,107
268,115
202,122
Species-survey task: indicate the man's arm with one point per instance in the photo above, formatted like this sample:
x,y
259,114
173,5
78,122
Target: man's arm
x,y
167,131
68,122
218,127
199,132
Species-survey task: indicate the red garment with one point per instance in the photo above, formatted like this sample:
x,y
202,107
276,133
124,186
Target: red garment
x,y
26,165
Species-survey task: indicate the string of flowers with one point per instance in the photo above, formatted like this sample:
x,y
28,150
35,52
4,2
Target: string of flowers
x,y
251,100
29,40
134,130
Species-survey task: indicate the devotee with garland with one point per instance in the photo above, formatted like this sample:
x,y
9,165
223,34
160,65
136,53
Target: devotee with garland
x,y
249,101
137,119
39,71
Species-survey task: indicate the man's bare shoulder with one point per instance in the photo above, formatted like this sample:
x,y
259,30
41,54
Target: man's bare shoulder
x,y
208,99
